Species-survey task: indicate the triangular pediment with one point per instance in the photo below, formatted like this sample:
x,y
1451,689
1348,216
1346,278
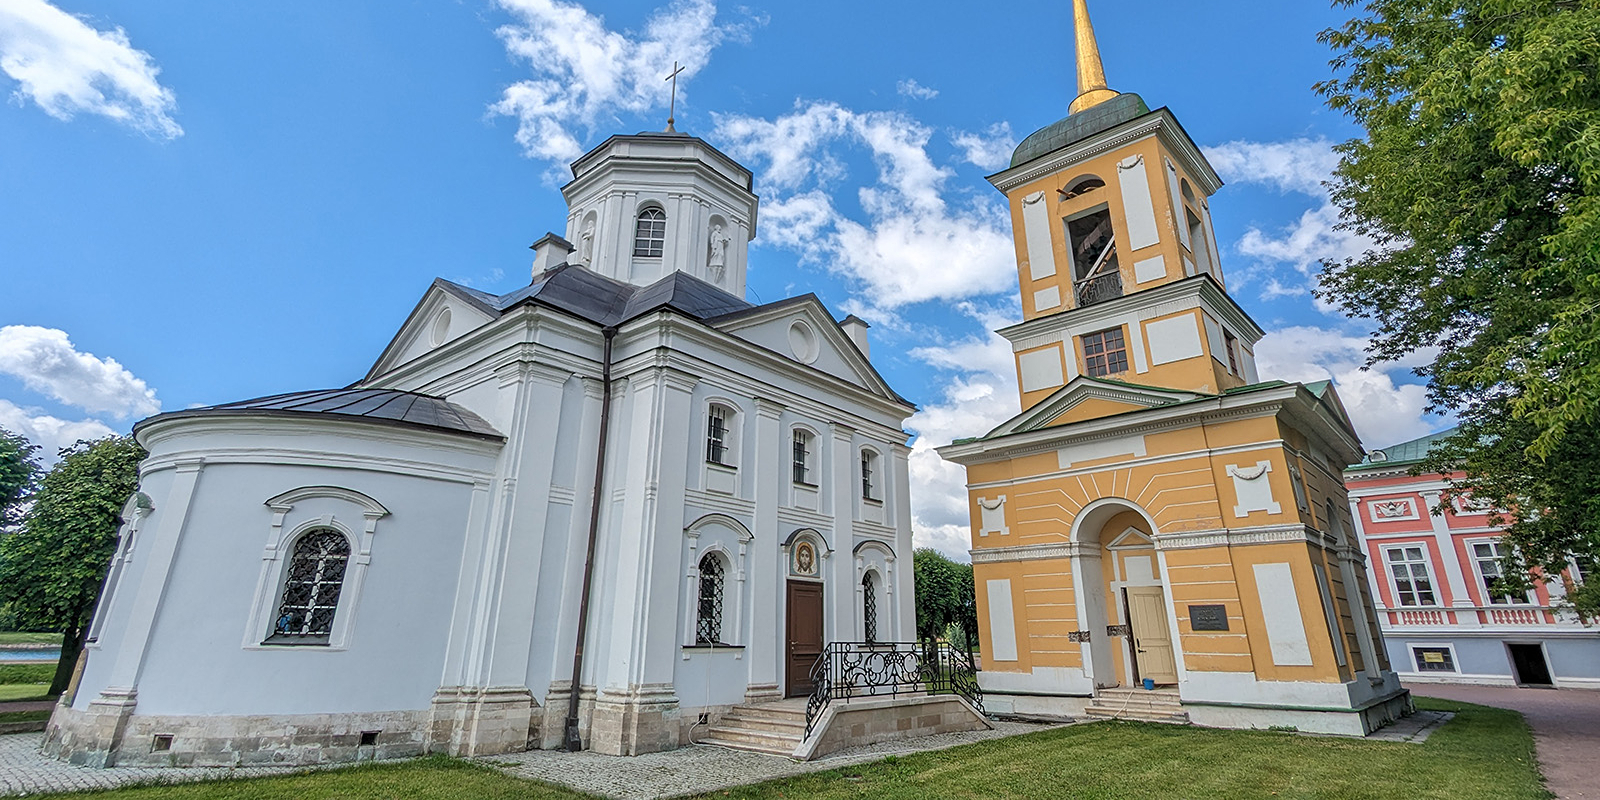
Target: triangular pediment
x,y
446,311
802,330
1131,539
1086,398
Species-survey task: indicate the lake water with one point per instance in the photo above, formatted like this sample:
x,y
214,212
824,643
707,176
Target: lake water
x,y
13,656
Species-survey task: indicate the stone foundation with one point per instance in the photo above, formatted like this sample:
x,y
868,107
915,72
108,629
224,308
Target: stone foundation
x,y
96,738
861,722
1352,722
466,722
645,719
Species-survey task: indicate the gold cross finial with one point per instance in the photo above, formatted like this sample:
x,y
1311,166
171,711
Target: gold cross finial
x,y
673,111
1092,89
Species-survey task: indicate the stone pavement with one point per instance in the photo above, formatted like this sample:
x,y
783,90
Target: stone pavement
x,y
24,770
1414,729
696,769
1566,729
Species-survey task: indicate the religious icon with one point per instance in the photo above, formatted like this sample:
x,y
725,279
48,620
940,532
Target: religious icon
x,y
805,559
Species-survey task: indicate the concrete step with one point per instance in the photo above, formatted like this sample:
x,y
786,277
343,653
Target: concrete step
x,y
784,750
1137,702
1137,714
744,721
757,740
784,711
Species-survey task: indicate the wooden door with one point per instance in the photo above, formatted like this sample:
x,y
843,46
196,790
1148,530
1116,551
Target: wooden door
x,y
804,635
1152,640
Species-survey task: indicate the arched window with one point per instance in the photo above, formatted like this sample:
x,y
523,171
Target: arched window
x,y
869,608
869,475
650,233
719,438
802,458
311,588
708,620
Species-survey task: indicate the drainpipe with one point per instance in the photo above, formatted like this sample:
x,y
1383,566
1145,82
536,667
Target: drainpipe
x,y
574,741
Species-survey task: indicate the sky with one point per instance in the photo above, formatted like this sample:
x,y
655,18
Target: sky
x,y
204,202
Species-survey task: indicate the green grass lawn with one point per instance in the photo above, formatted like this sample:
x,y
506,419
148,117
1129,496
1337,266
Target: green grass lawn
x,y
1483,753
24,691
26,673
13,637
24,716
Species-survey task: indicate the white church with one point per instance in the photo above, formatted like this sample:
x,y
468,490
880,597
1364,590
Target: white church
x,y
622,475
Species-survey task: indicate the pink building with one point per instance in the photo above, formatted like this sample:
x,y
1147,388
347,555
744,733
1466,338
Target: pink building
x,y
1430,581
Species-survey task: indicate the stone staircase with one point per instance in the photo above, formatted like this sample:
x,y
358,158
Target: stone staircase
x,y
1161,705
771,728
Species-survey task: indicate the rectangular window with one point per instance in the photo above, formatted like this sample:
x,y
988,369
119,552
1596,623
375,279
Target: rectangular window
x,y
867,464
1105,353
1487,556
802,458
717,435
1412,585
1433,659
1232,345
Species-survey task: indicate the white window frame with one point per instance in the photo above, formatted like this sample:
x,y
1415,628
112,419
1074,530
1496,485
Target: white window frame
x,y
809,464
729,441
870,473
1416,665
1489,597
1427,571
660,245
357,519
729,539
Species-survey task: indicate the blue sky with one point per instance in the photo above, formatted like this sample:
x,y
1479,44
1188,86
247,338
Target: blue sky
x,y
204,202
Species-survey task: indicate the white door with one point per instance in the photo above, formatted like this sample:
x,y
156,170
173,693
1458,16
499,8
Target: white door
x,y
1152,640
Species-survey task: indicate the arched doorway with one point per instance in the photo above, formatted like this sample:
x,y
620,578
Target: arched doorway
x,y
1122,597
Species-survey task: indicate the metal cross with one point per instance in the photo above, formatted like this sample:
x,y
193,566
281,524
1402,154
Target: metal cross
x,y
673,111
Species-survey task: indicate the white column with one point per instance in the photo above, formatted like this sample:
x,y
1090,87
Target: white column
x,y
1460,598
766,633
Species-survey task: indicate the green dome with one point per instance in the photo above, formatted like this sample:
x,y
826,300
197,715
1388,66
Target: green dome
x,y
1080,126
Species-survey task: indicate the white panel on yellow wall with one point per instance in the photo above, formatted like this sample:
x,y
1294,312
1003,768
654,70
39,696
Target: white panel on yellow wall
x,y
1046,299
1249,366
992,513
1002,624
1041,369
1280,610
1137,205
1150,269
1096,449
1173,339
1219,345
1253,489
1036,230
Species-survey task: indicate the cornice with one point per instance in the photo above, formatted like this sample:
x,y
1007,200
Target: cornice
x,y
1202,289
1160,122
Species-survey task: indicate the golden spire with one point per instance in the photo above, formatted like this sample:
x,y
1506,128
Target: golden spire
x,y
1092,90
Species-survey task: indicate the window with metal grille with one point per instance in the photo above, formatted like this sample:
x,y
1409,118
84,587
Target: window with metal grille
x,y
708,619
717,435
650,233
869,608
869,464
1487,556
1434,659
1412,584
1105,353
802,458
311,588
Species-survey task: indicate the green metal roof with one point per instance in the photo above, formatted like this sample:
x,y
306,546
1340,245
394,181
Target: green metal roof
x,y
1077,127
1406,452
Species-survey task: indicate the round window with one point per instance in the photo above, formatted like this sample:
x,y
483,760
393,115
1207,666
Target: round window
x,y
441,328
803,342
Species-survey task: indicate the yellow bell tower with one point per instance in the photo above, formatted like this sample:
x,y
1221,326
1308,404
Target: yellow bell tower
x,y
1159,529
1116,254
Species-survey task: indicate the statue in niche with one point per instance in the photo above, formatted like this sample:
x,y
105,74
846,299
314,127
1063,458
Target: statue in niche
x,y
585,244
718,261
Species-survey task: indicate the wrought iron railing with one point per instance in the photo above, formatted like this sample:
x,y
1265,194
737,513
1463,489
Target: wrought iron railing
x,y
1107,286
889,669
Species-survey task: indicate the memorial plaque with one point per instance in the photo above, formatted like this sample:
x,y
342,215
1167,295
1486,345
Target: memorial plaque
x,y
1208,618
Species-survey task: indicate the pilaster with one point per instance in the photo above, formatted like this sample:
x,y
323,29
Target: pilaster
x,y
766,632
1461,602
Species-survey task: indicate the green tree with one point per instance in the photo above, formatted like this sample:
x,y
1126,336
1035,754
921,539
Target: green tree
x,y
18,474
944,596
1479,180
52,569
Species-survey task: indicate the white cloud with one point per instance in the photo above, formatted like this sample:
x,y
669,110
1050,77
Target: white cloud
x,y
1384,411
68,67
46,362
584,74
980,394
990,149
1299,166
913,244
49,433
916,91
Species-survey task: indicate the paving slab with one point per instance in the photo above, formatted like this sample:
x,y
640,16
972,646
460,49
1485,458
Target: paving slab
x,y
700,768
1565,723
24,770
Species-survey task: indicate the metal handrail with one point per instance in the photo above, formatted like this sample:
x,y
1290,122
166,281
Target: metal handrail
x,y
866,669
1098,288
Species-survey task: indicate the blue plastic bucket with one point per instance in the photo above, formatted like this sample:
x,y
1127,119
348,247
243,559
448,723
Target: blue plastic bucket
x,y
1149,685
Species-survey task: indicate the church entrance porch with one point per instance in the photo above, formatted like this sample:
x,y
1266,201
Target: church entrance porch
x,y
1125,623
803,636
1152,640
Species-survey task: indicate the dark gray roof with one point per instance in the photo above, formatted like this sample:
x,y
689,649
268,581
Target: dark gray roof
x,y
382,406
1077,127
603,301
